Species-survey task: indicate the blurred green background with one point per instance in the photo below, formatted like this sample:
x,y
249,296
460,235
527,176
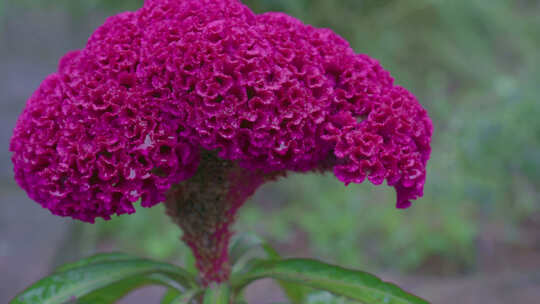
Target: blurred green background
x,y
475,66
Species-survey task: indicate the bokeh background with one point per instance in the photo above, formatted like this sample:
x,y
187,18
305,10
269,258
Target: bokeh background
x,y
473,238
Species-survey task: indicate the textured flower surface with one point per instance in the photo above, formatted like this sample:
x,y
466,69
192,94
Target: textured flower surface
x,y
130,115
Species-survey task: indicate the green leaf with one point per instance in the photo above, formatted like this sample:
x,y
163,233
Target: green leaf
x,y
220,294
242,244
356,285
190,262
78,282
187,297
271,252
96,259
116,291
170,296
180,277
296,293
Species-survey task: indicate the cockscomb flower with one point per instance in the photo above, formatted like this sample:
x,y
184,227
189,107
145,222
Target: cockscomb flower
x,y
198,103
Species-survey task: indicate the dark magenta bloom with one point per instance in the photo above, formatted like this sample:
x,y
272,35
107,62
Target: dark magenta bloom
x,y
128,116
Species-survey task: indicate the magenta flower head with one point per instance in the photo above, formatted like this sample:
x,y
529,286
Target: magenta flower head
x,y
199,102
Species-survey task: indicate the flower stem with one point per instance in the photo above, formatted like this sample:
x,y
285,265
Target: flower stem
x,y
205,207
